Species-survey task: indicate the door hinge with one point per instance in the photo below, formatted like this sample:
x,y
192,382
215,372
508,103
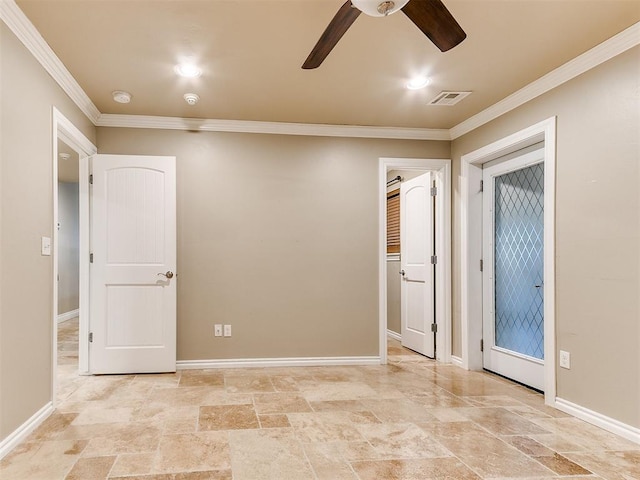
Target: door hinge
x,y
91,337
91,258
482,345
434,259
434,191
91,179
434,327
481,265
482,185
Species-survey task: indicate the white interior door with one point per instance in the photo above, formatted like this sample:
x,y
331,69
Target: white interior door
x,y
416,250
132,276
513,303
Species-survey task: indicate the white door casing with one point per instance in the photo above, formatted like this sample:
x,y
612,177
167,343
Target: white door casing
x,y
515,296
133,243
417,271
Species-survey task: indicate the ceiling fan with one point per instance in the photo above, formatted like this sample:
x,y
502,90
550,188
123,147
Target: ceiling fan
x,y
430,16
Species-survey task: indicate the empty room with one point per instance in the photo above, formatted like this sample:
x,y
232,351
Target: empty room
x,y
318,239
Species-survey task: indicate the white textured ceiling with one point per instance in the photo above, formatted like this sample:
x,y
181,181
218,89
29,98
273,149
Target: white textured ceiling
x,y
251,52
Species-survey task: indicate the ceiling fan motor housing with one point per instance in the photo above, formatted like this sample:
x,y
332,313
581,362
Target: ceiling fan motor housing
x,y
378,8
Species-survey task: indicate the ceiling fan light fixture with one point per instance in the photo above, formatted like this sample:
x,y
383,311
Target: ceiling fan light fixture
x,y
379,8
188,70
416,83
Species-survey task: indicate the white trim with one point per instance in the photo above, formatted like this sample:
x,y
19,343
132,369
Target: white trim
x,y
471,244
64,130
63,317
277,128
442,170
393,257
457,361
19,434
599,54
276,362
22,28
609,424
394,335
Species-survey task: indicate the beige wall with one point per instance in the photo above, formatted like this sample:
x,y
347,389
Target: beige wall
x,y
597,231
393,296
277,236
68,247
27,95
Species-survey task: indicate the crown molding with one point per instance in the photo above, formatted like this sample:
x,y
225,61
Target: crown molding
x,y
277,128
599,54
22,28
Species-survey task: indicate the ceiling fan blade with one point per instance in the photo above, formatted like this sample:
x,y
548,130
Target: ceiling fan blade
x,y
333,33
436,22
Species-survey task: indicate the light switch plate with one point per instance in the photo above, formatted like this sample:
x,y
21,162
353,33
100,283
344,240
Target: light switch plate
x,y
46,246
227,330
565,359
217,330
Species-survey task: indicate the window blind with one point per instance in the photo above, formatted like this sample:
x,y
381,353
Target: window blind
x,y
393,221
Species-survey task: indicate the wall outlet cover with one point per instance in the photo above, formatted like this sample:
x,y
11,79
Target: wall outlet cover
x,y
227,330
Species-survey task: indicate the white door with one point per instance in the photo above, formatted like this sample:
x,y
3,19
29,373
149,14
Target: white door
x,y
416,250
132,276
513,231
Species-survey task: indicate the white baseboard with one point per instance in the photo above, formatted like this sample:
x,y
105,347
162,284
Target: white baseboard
x,y
19,434
394,335
610,424
457,361
63,317
277,362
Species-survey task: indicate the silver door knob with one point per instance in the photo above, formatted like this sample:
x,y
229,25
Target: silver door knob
x,y
402,272
169,274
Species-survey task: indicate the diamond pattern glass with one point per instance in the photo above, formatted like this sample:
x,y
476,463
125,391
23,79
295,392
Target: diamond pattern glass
x,y
519,229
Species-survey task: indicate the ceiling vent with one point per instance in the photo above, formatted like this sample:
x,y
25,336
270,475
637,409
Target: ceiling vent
x,y
448,98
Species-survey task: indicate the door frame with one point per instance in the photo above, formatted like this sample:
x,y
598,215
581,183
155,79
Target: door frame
x,y
471,245
442,173
63,129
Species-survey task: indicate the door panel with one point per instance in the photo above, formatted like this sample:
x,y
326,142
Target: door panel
x,y
133,305
513,252
416,249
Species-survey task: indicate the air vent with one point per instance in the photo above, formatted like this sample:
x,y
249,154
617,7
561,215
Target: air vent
x,y
448,98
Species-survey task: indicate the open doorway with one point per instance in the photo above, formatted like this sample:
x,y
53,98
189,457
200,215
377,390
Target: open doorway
x,y
70,304
430,176
68,277
410,319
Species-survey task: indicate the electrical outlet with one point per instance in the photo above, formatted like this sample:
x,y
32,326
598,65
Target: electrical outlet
x,y
217,330
565,359
227,330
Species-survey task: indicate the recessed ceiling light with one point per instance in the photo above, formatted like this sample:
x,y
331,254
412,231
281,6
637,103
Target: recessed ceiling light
x,y
188,70
416,83
121,97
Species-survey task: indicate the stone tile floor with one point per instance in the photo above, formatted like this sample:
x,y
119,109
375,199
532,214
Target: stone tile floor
x,y
412,419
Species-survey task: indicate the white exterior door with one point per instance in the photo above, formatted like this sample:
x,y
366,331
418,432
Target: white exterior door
x,y
416,250
513,256
132,276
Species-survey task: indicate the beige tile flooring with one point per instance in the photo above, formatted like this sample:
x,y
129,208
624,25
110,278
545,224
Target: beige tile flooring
x,y
411,419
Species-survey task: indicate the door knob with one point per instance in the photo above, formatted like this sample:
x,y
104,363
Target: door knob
x,y
402,272
169,274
